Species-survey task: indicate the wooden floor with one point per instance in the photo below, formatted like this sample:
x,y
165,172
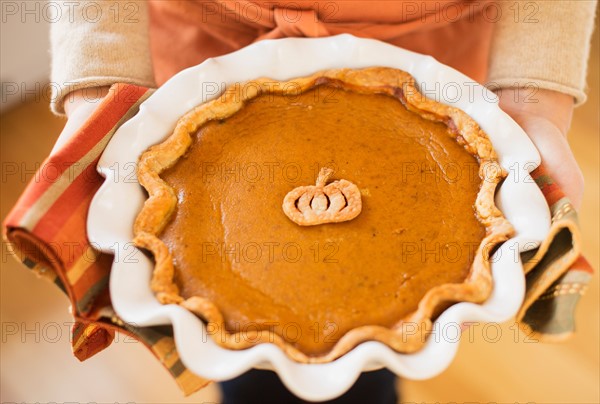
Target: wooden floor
x,y
37,365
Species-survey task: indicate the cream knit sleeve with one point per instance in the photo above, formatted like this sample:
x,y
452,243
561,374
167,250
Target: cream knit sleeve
x,y
543,43
98,43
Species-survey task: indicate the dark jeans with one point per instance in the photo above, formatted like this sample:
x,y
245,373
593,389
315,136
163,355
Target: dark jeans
x,y
264,387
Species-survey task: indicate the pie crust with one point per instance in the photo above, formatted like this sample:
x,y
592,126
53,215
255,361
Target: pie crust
x,y
162,202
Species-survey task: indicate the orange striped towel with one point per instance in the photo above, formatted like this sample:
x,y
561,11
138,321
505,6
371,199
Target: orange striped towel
x,y
47,232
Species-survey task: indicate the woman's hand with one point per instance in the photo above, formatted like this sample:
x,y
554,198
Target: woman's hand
x,y
84,96
546,117
79,106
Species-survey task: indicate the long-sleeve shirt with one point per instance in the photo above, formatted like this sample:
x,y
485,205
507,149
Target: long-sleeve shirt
x,y
521,43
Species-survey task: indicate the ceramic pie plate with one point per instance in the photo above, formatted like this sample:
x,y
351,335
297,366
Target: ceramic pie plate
x,y
119,200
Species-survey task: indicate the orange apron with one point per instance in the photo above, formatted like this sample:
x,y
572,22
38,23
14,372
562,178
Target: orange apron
x,y
457,33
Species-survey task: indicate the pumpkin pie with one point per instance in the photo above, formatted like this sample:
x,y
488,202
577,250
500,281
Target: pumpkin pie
x,y
321,212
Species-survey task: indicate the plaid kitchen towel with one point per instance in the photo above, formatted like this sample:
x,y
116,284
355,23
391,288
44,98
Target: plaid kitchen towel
x,y
46,231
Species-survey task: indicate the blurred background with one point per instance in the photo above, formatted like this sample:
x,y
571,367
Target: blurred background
x,y
36,360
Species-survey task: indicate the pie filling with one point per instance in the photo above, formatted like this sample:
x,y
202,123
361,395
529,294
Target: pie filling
x,y
232,244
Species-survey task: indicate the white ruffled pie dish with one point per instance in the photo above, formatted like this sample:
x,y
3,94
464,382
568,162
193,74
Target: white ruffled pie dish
x,y
119,200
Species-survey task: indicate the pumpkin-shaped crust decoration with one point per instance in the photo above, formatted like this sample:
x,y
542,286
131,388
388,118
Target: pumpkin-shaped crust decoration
x,y
338,201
